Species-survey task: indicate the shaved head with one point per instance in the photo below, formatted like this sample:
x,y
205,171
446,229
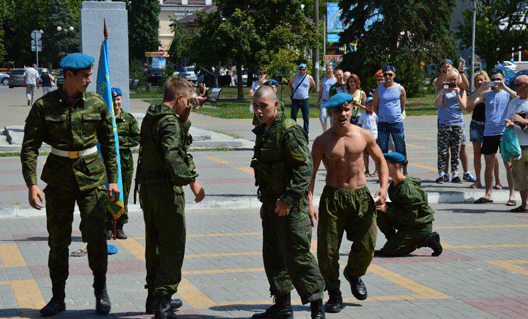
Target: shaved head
x,y
265,92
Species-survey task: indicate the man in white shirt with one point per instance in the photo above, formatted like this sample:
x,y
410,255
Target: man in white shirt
x,y
516,118
31,79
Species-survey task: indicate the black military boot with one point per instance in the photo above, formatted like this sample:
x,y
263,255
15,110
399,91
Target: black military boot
x,y
56,303
356,284
150,304
109,232
163,308
120,233
317,309
282,309
433,241
335,301
102,301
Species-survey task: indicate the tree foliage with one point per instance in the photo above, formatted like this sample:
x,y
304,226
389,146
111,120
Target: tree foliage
x,y
500,26
143,27
412,32
251,33
57,44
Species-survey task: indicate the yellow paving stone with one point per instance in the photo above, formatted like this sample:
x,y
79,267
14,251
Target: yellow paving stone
x,y
28,297
194,297
133,247
11,256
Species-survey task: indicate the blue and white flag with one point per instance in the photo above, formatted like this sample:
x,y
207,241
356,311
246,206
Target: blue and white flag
x,y
105,90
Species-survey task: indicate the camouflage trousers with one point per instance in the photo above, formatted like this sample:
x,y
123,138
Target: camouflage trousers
x,y
288,261
401,239
449,138
353,211
163,210
59,217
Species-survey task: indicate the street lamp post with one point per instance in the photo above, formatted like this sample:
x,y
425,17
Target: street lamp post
x,y
316,50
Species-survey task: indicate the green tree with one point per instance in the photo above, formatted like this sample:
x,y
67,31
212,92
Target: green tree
x,y
20,17
56,44
412,32
251,33
225,40
181,44
500,26
143,27
2,46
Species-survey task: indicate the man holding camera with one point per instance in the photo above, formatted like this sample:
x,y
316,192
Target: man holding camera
x,y
496,102
516,118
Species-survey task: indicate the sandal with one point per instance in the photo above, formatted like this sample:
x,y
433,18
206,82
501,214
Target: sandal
x,y
79,253
476,185
519,209
483,200
498,186
511,202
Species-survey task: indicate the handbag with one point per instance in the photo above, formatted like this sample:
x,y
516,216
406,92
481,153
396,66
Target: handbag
x,y
509,145
295,90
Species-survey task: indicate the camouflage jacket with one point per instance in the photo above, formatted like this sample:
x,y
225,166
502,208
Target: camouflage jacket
x,y
282,161
128,133
70,126
163,155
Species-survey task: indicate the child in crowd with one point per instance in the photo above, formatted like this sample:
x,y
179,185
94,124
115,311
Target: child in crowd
x,y
369,121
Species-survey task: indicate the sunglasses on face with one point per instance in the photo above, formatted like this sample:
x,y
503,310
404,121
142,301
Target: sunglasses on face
x,y
519,84
389,75
496,79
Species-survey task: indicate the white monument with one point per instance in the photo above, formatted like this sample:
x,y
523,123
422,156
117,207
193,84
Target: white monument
x,y
93,15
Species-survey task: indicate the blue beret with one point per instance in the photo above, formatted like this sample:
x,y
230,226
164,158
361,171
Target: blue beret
x,y
338,100
495,71
111,249
116,92
368,99
271,82
77,61
444,61
302,65
394,157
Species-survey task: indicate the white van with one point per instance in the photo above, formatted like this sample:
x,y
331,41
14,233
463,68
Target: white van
x,y
189,74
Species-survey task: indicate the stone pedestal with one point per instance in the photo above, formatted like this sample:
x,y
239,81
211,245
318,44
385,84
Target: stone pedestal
x,y
93,15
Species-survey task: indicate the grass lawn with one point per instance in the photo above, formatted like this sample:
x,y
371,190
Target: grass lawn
x,y
239,109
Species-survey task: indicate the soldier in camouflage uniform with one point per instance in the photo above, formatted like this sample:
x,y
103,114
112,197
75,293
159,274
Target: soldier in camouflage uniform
x,y
128,133
283,167
346,203
407,221
72,121
164,166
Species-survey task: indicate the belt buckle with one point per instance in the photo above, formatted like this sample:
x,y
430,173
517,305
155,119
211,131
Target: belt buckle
x,y
73,154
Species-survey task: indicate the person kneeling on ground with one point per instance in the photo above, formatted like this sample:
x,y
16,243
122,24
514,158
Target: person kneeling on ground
x,y
407,221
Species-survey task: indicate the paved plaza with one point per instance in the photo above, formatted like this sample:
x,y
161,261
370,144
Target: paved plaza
x,y
482,273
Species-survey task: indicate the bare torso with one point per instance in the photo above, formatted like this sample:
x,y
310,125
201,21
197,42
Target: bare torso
x,y
343,158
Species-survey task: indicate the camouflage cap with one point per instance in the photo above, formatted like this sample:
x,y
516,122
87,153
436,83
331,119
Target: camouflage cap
x,y
271,82
77,61
338,100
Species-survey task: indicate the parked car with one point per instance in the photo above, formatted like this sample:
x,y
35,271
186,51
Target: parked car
x,y
154,76
508,64
4,78
244,77
189,74
16,78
